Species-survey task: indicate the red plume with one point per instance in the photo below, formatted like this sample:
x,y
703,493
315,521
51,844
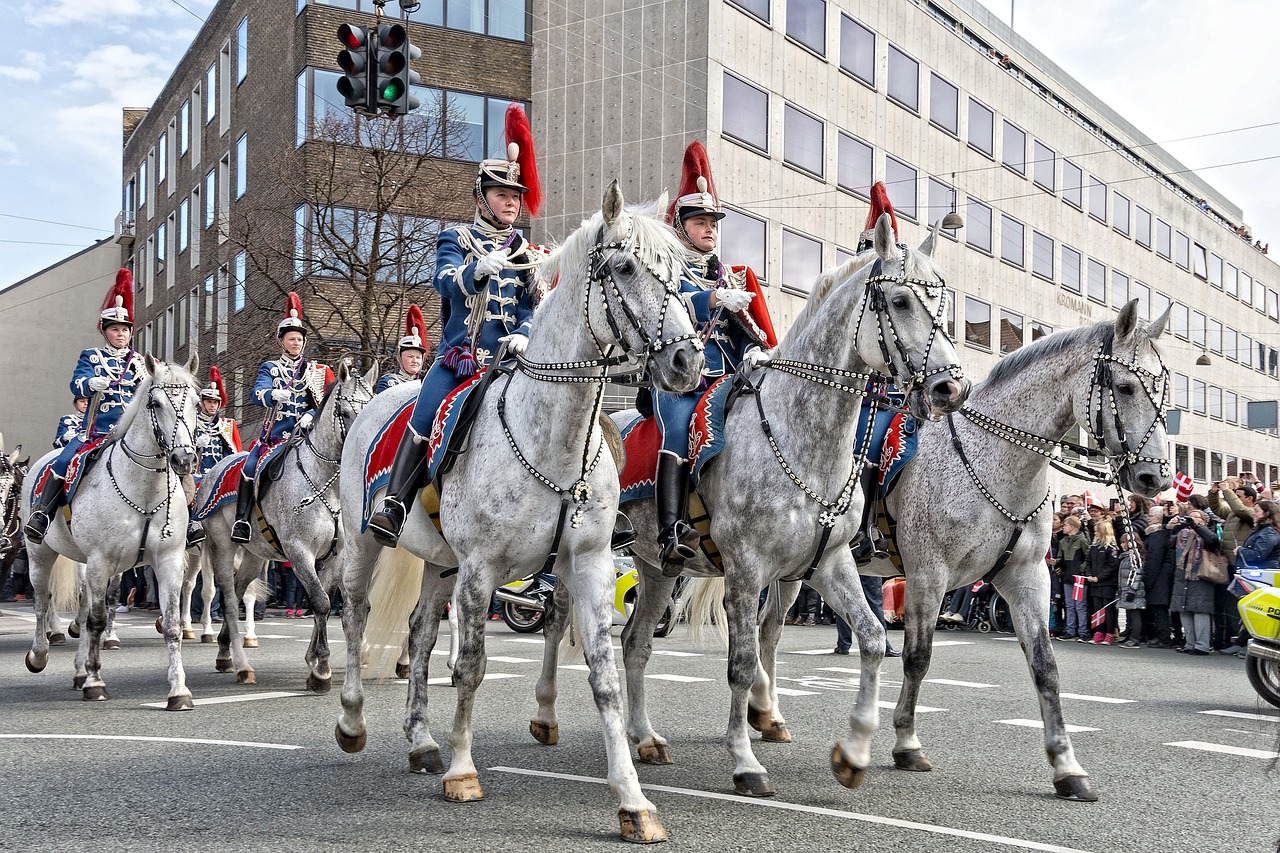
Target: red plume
x,y
215,379
293,305
880,204
122,291
696,164
519,132
414,324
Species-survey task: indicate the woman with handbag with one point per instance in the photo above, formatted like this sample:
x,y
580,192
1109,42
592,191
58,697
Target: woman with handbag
x,y
1196,551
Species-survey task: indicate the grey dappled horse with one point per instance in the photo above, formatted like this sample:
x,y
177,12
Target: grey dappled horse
x,y
883,312
615,298
302,508
130,510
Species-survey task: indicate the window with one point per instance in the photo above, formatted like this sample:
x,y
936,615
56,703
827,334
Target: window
x,y
1044,166
242,166
161,241
1012,241
1119,289
210,192
807,24
237,282
742,238
1230,411
162,159
208,302
1142,293
857,49
142,184
210,93
1097,199
977,225
1011,326
1215,461
1042,255
1199,261
951,315
904,79
1199,329
843,256
242,50
941,199
1181,392
745,115
1072,184
944,104
982,128
1197,464
1245,351
1214,336
1039,330
184,224
1014,151
900,179
1181,457
1230,280
1182,245
853,169
759,8
1164,239
224,198
1142,227
802,140
1229,343
1071,261
977,323
1214,273
1120,213
184,127
1097,281
801,261
1159,303
1199,395
1273,304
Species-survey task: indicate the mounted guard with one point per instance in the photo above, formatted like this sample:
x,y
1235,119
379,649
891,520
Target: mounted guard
x,y
290,388
108,375
413,349
485,274
216,437
733,321
71,424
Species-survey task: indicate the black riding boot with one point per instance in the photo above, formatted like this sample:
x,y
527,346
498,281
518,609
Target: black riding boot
x,y
676,537
870,544
195,532
242,530
624,533
51,498
406,475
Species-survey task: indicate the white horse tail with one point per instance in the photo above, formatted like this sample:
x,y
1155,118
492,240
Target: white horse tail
x,y
701,607
258,589
64,584
570,649
394,590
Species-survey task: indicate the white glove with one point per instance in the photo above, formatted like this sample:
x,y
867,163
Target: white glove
x,y
68,435
280,395
98,383
516,343
491,264
755,357
733,300
305,420
204,440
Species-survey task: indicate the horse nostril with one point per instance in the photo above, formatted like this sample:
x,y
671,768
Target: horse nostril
x,y
680,360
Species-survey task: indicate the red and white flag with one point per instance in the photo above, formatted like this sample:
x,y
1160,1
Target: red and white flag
x,y
1183,486
1077,588
1098,618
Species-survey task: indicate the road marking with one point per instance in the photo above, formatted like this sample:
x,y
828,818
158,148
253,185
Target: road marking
x,y
279,637
1240,715
497,659
920,709
1227,750
682,679
1105,699
787,691
937,644
533,641
332,642
581,667
812,652
447,681
796,807
157,739
675,654
226,700
1039,724
1006,639
839,669
974,684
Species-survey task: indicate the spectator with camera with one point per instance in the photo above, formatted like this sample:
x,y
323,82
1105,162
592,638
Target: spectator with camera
x,y
1192,596
1158,580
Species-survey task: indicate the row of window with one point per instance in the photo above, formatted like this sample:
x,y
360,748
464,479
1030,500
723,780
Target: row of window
x,y
179,324
1014,330
1211,466
501,18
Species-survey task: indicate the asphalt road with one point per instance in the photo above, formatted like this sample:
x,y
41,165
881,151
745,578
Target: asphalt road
x,y
1178,748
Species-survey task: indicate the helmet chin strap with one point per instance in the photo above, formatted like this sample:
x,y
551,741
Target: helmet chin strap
x,y
487,214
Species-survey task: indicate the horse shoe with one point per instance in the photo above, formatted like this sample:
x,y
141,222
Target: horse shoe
x,y
547,734
349,743
250,642
463,789
641,827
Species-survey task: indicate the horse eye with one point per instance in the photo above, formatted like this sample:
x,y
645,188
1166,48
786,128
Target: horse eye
x,y
1125,388
626,267
900,302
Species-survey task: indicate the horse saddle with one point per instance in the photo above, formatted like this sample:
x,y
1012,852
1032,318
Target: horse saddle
x,y
83,460
227,483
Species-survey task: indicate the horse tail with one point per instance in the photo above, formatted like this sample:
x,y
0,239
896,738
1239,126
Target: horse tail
x,y
394,590
257,589
701,607
570,650
64,584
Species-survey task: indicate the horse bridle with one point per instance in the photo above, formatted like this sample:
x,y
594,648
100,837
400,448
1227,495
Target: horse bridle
x,y
1156,388
357,401
11,492
169,446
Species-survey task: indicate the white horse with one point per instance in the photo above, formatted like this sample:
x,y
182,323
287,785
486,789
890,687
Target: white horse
x,y
536,472
129,511
785,500
301,509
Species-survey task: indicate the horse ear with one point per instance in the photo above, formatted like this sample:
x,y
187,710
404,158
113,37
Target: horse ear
x,y
611,207
13,457
926,248
1161,323
885,247
371,375
1127,322
152,364
344,370
193,362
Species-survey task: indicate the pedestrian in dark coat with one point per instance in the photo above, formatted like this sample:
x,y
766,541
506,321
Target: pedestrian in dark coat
x,y
1192,597
1158,581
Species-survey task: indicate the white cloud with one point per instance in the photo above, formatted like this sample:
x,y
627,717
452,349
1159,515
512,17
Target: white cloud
x,y
14,73
132,78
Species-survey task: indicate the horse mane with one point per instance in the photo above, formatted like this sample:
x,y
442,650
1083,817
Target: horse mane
x,y
649,238
1047,347
180,374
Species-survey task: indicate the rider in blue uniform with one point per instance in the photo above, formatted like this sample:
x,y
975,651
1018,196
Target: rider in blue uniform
x,y
290,388
719,299
485,277
70,424
412,350
108,375
216,437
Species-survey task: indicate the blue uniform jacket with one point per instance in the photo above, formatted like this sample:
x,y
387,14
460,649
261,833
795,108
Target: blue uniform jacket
x,y
123,367
391,380
220,444
304,380
74,422
505,300
728,341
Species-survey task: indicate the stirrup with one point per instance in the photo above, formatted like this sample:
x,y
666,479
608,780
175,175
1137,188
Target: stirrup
x,y
679,545
387,523
869,549
37,526
241,531
624,534
195,534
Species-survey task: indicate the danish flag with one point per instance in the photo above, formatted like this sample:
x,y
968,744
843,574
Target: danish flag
x,y
1183,486
1077,588
1098,618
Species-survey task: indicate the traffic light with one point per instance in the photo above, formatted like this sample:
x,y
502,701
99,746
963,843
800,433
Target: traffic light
x,y
356,61
394,75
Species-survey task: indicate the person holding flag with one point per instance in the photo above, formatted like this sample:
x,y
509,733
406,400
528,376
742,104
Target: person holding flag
x,y
1072,551
1103,577
412,350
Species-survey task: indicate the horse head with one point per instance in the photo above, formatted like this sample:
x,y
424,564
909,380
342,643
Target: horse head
x,y
1122,406
346,398
902,328
171,394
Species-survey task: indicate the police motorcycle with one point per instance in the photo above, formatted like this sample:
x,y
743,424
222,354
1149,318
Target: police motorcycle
x,y
525,601
1259,607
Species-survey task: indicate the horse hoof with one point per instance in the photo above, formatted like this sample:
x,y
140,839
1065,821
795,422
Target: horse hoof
x,y
111,645
641,827
402,670
757,719
753,785
208,638
223,665
159,626
776,733
78,681
34,663
96,694
58,639
73,630
427,761
463,789
1077,789
348,743
544,733
250,642
246,676
180,703
912,759
316,684
655,753
846,773
188,634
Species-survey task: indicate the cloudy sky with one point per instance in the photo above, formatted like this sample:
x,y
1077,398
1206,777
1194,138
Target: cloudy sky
x,y
1174,68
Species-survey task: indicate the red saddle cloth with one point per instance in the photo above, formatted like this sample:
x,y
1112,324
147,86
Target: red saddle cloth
x,y
80,463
